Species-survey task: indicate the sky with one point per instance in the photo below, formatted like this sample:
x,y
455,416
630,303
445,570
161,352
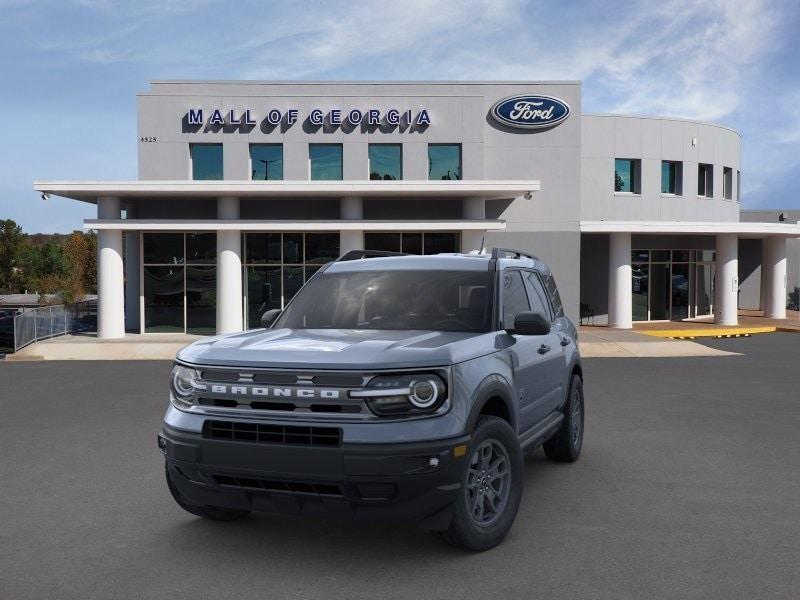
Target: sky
x,y
71,70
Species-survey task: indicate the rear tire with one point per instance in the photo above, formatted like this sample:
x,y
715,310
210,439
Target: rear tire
x,y
491,489
215,513
566,444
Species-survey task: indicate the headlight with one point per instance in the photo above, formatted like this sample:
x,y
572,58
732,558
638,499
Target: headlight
x,y
404,394
185,382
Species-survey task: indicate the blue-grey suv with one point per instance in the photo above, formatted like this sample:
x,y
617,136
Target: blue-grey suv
x,y
391,387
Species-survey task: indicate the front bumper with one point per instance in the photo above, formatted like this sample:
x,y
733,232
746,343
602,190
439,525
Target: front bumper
x,y
406,482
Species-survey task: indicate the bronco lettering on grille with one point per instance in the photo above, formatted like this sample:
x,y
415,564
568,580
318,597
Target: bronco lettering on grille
x,y
274,392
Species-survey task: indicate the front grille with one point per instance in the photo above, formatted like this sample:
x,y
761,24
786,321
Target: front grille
x,y
272,434
354,407
292,487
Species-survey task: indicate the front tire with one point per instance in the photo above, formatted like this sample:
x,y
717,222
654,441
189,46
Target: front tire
x,y
215,513
491,489
566,444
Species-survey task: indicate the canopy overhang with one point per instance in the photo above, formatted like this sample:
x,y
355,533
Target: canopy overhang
x,y
90,191
291,225
742,229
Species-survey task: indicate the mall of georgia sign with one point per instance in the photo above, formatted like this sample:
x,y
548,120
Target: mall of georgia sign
x,y
530,112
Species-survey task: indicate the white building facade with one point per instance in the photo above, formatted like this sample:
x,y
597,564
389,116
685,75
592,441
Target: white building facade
x,y
246,189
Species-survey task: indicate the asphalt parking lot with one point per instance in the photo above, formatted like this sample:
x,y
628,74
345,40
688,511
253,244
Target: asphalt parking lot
x,y
688,487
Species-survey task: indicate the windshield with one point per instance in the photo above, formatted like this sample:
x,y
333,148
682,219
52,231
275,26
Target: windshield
x,y
432,300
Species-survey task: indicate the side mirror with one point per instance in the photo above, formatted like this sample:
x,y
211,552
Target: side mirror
x,y
269,317
530,323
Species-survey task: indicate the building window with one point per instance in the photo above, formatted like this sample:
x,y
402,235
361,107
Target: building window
x,y
266,162
444,161
412,242
671,177
325,162
727,183
180,282
278,264
385,162
672,285
206,161
705,180
627,175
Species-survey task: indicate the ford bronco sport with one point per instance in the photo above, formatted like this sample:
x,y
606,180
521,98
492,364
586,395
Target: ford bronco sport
x,y
391,387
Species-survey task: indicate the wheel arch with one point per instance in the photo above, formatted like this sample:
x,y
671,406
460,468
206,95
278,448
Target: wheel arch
x,y
493,397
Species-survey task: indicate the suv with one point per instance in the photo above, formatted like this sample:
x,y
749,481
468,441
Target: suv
x,y
391,387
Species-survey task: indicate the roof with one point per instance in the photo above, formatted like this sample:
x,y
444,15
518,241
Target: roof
x,y
90,191
413,262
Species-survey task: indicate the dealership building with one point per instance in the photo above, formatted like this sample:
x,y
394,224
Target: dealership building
x,y
247,188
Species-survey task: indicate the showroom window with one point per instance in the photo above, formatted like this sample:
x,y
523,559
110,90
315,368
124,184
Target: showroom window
x,y
266,162
627,175
705,180
180,282
727,183
325,162
671,177
206,161
410,242
385,162
672,284
277,265
444,161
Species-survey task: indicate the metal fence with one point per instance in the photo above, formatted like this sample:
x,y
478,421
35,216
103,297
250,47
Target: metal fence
x,y
50,321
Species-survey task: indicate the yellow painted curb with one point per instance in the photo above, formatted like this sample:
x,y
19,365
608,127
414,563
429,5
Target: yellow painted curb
x,y
706,332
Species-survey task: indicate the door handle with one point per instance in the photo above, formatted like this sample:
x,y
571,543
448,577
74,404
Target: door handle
x,y
543,349
565,341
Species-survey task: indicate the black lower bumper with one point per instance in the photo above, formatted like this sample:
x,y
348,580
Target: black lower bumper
x,y
407,482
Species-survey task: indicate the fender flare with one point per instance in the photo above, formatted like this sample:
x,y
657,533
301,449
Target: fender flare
x,y
494,386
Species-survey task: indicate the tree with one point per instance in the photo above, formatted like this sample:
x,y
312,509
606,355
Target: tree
x,y
80,256
12,244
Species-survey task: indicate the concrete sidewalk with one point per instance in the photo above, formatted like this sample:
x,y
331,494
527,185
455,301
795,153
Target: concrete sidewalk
x,y
594,342
602,342
150,346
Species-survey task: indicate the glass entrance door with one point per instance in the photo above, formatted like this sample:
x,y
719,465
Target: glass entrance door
x,y
659,292
704,289
681,292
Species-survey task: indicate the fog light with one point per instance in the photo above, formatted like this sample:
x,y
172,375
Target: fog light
x,y
433,461
162,444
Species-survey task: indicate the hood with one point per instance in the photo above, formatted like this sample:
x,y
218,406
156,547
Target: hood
x,y
338,349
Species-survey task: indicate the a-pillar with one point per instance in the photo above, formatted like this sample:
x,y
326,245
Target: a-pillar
x,y
229,270
473,239
774,267
110,276
620,306
132,266
726,284
351,209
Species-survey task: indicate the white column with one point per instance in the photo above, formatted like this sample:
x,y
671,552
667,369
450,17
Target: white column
x,y
620,303
473,239
762,303
132,266
351,209
110,277
229,270
775,267
726,282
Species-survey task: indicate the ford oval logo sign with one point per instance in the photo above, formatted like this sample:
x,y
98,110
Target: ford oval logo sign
x,y
530,112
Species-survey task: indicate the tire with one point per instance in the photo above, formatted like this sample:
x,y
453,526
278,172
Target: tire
x,y
482,518
214,513
566,444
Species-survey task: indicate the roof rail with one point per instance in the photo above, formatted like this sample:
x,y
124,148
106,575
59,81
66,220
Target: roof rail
x,y
359,254
510,253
